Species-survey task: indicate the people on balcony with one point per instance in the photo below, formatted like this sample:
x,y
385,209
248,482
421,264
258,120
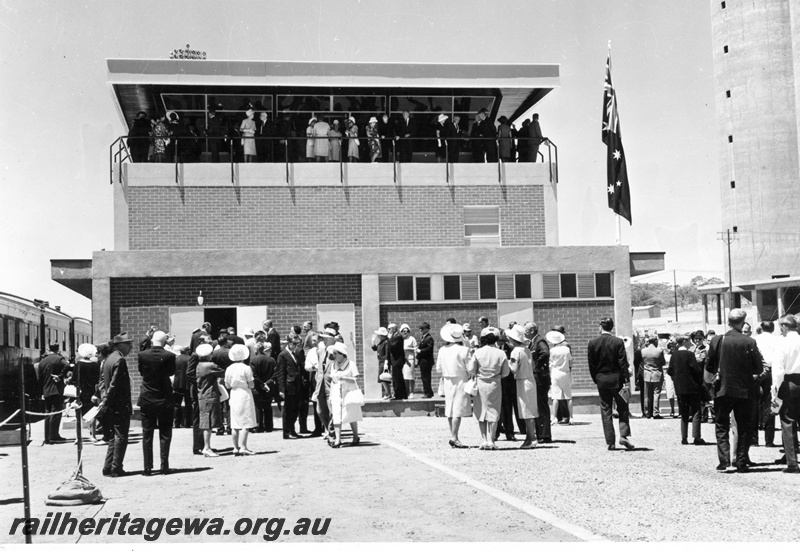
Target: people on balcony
x,y
387,133
352,140
265,146
214,133
321,144
248,131
374,143
536,138
139,138
335,142
310,155
406,129
505,139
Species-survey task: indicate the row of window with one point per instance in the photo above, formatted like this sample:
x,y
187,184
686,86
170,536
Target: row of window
x,y
495,287
19,334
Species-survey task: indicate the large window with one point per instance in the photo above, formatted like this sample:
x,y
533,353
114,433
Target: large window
x,y
452,287
602,283
482,226
413,288
488,287
569,286
522,286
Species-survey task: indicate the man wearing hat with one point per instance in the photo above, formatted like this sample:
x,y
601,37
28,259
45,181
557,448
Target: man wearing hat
x,y
317,363
786,389
156,366
291,384
540,352
115,405
425,358
536,138
448,145
396,358
53,370
139,138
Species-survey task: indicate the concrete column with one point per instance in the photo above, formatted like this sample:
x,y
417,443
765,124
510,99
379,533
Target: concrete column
x,y
705,313
719,309
121,230
370,320
101,310
781,308
623,319
756,299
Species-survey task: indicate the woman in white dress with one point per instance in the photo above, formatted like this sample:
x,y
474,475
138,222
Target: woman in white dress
x,y
335,142
239,379
488,365
248,130
521,364
451,363
352,140
310,155
344,373
409,350
560,371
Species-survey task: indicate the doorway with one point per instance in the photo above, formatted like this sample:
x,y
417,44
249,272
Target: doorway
x,y
220,318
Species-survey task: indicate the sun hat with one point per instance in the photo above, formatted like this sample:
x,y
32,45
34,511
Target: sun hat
x,y
381,332
328,332
87,350
442,117
312,119
352,119
452,332
204,350
248,332
372,119
406,327
467,327
516,333
340,348
238,353
555,337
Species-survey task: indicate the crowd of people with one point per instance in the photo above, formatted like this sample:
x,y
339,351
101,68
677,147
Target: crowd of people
x,y
227,385
255,137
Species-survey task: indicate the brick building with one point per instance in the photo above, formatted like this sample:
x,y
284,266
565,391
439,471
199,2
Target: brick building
x,y
362,244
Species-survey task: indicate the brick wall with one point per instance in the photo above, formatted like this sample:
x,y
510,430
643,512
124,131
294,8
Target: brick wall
x,y
136,303
374,216
436,314
580,318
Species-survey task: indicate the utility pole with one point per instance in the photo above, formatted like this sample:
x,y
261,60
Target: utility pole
x,y
727,238
675,290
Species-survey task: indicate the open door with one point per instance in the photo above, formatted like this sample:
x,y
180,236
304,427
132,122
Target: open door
x,y
183,321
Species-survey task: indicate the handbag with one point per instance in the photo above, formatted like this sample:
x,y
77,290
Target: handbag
x,y
471,387
440,388
385,376
70,391
223,392
354,398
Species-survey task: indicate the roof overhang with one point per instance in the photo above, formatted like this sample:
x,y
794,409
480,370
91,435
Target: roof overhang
x,y
646,263
73,274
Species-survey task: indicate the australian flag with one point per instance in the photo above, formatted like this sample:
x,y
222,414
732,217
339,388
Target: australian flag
x,y
619,193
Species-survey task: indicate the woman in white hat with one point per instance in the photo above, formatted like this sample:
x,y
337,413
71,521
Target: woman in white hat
x,y
409,348
451,363
248,131
521,364
239,379
335,142
310,155
352,140
208,395
374,141
380,344
488,366
560,371
345,399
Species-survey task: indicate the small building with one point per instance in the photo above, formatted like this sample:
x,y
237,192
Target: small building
x,y
645,312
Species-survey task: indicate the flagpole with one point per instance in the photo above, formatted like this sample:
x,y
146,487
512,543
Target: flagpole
x,y
619,230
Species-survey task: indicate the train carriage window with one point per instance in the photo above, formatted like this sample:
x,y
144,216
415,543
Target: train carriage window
x,y
11,329
26,334
17,333
35,329
2,331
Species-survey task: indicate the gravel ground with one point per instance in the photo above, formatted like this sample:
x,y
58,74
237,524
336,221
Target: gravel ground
x,y
661,491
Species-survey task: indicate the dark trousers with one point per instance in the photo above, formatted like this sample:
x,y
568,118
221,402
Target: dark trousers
x,y
508,408
425,368
322,410
197,434
790,416
543,432
741,408
607,397
399,383
689,409
405,150
291,406
264,413
52,423
652,397
115,433
302,412
139,152
182,415
156,417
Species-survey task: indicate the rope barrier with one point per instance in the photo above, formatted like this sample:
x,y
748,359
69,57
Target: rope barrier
x,y
7,421
73,405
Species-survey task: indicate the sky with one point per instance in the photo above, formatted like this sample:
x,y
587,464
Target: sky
x,y
59,116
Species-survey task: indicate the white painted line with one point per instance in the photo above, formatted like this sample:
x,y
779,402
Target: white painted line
x,y
523,506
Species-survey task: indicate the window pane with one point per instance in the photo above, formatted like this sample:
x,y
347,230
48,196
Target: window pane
x,y
27,332
481,229
405,288
452,287
182,102
304,104
522,284
602,283
238,102
473,104
569,286
359,104
421,104
423,288
488,289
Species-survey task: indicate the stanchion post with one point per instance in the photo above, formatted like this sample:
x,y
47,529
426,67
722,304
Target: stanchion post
x,y
23,444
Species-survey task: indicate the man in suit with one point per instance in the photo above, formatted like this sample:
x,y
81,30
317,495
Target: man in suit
x,y
115,405
197,336
540,353
653,376
608,366
221,358
488,130
310,340
215,132
425,358
736,375
146,341
407,130
265,128
191,378
265,384
786,387
291,385
52,372
687,376
535,135
317,364
180,388
396,358
273,338
156,366
448,145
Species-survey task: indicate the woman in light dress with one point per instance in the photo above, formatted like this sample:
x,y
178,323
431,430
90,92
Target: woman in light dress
x,y
310,155
248,131
488,365
352,140
374,142
239,379
335,142
451,364
521,364
560,371
409,348
208,375
344,374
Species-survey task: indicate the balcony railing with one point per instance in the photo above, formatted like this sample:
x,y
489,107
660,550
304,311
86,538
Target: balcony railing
x,y
284,148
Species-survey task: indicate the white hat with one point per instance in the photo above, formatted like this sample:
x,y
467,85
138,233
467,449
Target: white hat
x,y
382,332
204,350
312,119
87,350
516,333
352,119
555,337
372,119
405,326
329,332
442,117
248,332
452,332
340,348
239,353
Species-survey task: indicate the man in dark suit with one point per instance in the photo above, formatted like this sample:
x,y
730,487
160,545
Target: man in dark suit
x,y
221,358
146,341
52,372
425,358
540,353
687,376
291,385
265,384
736,380
536,138
488,130
115,405
405,129
608,366
180,388
396,357
139,138
273,338
197,336
156,366
191,379
215,132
